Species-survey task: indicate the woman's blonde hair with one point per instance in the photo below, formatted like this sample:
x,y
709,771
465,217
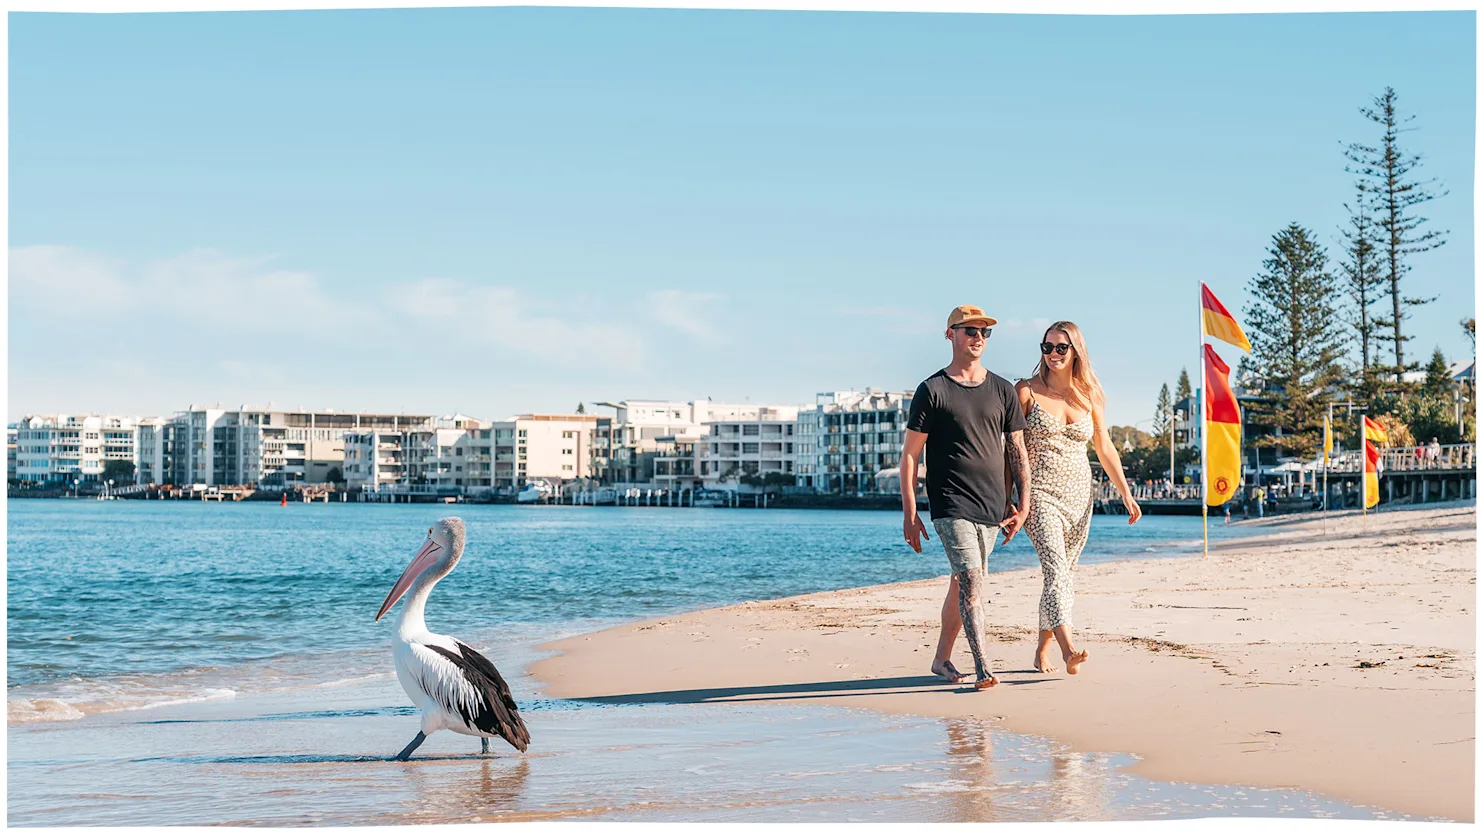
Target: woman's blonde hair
x,y
1084,385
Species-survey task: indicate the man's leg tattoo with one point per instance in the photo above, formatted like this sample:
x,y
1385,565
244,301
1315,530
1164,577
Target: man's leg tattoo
x,y
973,621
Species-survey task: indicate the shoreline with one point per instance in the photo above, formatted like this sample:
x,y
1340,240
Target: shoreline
x,y
1191,668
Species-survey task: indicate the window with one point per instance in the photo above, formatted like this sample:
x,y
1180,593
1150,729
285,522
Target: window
x,y
567,468
567,451
750,430
459,452
567,435
750,448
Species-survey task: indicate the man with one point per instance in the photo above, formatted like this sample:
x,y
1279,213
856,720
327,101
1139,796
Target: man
x,y
970,417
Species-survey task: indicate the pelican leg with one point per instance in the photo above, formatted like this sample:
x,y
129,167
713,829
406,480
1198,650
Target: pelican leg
x,y
411,747
485,745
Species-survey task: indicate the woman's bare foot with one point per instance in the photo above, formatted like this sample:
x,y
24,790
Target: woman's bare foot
x,y
1043,664
948,671
983,685
1072,661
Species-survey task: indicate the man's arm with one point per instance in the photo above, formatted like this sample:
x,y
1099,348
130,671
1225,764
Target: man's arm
x,y
909,464
1022,475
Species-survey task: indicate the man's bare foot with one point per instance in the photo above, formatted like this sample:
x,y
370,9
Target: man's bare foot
x,y
947,671
983,685
1043,665
1072,661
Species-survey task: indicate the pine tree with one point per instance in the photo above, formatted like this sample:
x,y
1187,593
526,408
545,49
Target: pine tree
x,y
1184,386
1436,380
1361,270
1296,337
581,407
1469,325
1388,168
1161,425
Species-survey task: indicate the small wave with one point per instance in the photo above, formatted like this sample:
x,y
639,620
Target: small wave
x,y
40,710
57,709
208,694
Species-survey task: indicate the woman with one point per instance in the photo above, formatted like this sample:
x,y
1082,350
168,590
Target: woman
x,y
1065,408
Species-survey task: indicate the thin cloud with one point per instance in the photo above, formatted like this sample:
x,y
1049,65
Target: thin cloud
x,y
690,313
457,312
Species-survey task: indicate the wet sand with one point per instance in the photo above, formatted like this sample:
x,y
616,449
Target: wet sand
x,y
1340,661
321,757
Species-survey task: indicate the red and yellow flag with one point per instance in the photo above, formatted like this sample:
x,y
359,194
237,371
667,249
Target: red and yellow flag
x,y
1372,434
1223,463
1219,323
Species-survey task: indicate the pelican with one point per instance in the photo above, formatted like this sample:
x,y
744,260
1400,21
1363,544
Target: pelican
x,y
455,687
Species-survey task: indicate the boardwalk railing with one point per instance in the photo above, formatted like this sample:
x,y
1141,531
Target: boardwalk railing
x,y
1456,457
1149,491
1459,456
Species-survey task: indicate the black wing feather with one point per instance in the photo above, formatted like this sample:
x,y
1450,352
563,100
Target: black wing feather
x,y
497,712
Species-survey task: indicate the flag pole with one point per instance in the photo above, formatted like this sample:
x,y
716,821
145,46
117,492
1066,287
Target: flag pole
x,y
1364,472
1325,469
1202,422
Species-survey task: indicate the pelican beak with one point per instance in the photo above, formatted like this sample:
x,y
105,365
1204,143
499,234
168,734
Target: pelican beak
x,y
424,559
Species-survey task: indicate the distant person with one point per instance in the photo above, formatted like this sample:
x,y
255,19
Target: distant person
x,y
1259,500
964,418
1064,409
1434,452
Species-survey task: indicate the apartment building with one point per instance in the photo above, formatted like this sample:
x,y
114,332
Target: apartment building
x,y
451,455
757,441
642,433
71,447
629,445
848,437
217,446
153,449
549,447
11,432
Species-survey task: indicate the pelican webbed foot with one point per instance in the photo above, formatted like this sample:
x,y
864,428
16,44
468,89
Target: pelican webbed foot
x,y
485,745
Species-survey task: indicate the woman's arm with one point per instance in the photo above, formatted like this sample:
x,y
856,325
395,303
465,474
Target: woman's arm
x,y
1110,459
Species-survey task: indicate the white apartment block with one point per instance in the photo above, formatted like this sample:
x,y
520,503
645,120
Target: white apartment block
x,y
631,441
550,447
759,441
152,450
217,446
848,437
10,434
451,456
656,441
71,447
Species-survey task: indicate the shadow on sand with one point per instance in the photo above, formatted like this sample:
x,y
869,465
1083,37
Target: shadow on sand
x,y
800,691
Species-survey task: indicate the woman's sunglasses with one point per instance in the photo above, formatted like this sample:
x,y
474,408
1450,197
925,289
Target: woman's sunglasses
x,y
973,332
1048,347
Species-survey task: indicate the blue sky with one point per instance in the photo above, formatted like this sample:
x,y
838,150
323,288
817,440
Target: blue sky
x,y
504,210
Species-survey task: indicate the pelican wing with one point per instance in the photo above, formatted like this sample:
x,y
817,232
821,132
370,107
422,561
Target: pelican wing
x,y
479,695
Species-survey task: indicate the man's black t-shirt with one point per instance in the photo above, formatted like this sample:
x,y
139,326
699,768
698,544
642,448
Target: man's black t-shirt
x,y
963,453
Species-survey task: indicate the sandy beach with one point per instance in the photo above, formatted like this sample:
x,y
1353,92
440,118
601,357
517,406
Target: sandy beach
x,y
1318,656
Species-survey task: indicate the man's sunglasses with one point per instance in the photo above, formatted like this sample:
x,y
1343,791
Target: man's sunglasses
x,y
1048,347
973,332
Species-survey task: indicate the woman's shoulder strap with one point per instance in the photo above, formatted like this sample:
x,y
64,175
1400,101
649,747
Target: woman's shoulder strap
x,y
1028,385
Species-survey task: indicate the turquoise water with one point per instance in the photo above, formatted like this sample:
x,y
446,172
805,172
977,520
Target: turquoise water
x,y
120,604
227,665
